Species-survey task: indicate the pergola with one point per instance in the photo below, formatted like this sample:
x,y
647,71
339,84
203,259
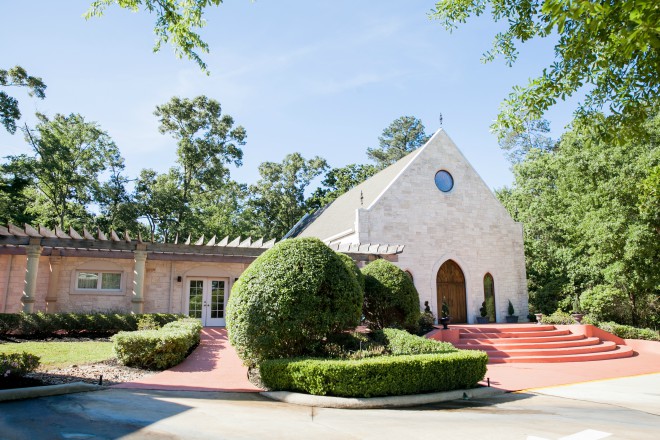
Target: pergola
x,y
57,243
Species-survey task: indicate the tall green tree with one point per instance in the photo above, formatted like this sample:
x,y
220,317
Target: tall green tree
x,y
339,180
277,200
207,141
69,154
17,77
588,231
158,200
402,136
532,136
177,22
13,199
608,49
118,210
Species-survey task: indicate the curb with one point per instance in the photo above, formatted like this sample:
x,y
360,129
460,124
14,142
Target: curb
x,y
380,402
47,390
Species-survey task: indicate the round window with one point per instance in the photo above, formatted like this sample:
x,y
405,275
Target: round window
x,y
444,181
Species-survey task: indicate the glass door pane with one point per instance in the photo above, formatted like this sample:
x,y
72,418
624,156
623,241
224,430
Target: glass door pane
x,y
195,297
217,299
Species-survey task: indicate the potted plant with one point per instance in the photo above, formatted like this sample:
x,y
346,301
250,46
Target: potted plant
x,y
576,313
510,318
539,318
445,319
483,319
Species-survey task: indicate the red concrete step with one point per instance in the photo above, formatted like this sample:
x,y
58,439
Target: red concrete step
x,y
509,335
515,344
500,328
540,350
536,340
620,351
536,343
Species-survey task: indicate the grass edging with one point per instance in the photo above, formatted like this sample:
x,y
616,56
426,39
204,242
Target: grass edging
x,y
380,402
47,390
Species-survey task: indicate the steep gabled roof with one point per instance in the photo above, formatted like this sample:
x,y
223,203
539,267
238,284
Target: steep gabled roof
x,y
339,216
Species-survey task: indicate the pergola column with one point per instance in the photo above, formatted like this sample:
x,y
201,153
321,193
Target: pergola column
x,y
140,258
53,282
33,251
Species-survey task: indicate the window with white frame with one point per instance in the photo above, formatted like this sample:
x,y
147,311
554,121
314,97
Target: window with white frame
x,y
99,281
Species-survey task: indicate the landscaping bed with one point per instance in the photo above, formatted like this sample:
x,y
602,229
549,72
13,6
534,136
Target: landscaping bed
x,y
57,372
59,357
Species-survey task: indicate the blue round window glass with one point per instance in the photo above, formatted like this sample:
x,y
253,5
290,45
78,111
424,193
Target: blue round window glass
x,y
444,181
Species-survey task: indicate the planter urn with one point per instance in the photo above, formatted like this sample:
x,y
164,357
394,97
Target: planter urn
x,y
445,321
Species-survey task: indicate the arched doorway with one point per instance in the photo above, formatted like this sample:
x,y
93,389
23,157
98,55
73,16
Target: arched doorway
x,y
450,284
489,297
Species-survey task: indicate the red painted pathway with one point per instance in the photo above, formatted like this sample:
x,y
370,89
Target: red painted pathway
x,y
215,366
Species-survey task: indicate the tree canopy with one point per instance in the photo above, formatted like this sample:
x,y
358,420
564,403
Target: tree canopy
x,y
17,77
589,208
207,141
277,200
177,22
608,49
69,154
402,136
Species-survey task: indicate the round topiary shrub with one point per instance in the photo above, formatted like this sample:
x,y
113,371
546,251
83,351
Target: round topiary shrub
x,y
390,297
289,299
350,264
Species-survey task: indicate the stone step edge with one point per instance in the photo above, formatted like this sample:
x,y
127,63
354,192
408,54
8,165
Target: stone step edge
x,y
620,352
539,334
539,340
597,348
498,345
498,328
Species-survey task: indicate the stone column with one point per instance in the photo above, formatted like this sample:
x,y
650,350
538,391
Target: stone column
x,y
33,253
138,278
54,282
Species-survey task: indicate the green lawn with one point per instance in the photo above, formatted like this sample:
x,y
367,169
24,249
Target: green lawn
x,y
62,354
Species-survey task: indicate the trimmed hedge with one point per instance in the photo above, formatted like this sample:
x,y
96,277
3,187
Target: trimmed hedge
x,y
291,298
41,324
400,342
377,376
157,349
629,332
390,297
17,364
558,318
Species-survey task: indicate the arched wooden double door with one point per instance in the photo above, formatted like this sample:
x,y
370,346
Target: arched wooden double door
x,y
450,284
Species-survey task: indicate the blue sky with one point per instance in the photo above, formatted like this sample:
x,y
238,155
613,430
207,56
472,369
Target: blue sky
x,y
321,78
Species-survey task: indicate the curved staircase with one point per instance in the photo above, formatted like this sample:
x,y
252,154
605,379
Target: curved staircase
x,y
536,343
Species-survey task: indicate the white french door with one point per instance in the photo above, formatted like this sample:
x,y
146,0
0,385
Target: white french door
x,y
207,298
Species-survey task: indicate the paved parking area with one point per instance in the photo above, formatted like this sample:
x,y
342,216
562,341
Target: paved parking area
x,y
621,408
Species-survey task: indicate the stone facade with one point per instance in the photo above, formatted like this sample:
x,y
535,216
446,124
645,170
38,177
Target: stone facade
x,y
467,225
165,283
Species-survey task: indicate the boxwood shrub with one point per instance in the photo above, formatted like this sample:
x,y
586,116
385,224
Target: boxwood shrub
x,y
291,298
630,332
400,342
390,297
157,349
17,364
377,376
44,324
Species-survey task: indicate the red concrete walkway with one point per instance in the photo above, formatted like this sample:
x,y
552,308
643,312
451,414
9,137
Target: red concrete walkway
x,y
213,366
